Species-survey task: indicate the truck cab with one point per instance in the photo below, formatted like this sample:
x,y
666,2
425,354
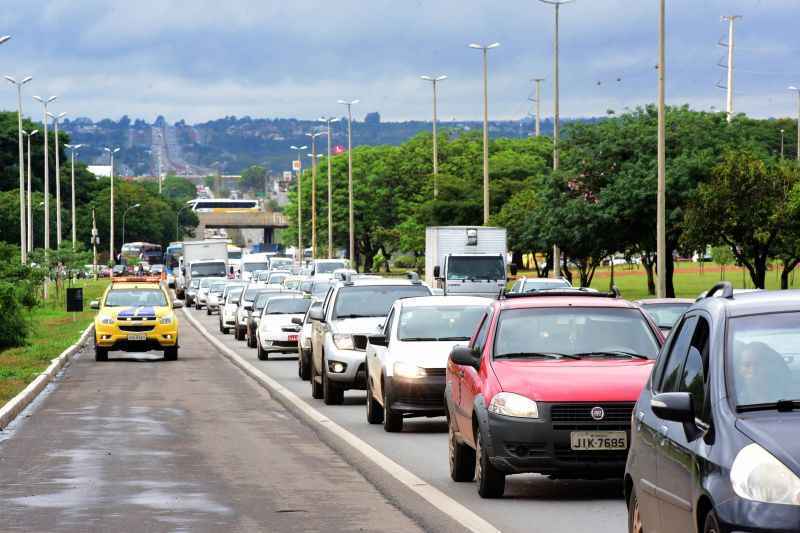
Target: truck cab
x,y
472,275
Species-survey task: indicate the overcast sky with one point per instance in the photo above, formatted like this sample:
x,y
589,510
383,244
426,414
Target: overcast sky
x,y
204,59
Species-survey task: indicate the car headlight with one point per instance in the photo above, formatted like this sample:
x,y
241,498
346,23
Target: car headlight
x,y
408,370
343,342
166,320
758,476
107,320
510,404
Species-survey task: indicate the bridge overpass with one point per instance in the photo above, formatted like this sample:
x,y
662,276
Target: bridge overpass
x,y
269,221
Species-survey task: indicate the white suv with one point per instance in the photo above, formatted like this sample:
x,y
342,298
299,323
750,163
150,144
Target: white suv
x,y
351,311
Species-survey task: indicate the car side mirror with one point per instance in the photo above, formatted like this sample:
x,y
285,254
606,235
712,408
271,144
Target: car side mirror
x,y
298,321
316,314
379,340
437,272
94,304
177,304
465,356
673,406
513,269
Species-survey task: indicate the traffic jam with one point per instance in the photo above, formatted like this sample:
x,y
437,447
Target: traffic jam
x,y
688,408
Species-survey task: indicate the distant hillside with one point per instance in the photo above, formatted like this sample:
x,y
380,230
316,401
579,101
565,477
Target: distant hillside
x,y
233,144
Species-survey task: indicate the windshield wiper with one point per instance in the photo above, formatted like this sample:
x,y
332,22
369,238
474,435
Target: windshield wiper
x,y
613,353
782,406
522,355
338,317
453,339
419,339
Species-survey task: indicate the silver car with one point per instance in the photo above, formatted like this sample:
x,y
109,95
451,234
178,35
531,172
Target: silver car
x,y
352,310
406,362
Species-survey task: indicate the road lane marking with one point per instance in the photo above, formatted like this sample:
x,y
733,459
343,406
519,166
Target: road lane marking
x,y
429,493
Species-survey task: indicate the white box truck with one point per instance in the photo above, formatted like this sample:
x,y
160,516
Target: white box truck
x,y
201,259
467,260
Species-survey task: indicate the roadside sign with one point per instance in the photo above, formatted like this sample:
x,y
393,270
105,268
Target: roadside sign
x,y
297,165
75,300
287,175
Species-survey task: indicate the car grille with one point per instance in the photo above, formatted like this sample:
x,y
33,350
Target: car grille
x,y
135,318
579,416
360,342
138,328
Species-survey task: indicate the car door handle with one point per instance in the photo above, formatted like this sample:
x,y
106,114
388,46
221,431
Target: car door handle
x,y
663,431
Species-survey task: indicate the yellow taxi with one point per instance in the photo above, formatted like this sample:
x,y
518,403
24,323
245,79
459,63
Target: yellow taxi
x,y
136,314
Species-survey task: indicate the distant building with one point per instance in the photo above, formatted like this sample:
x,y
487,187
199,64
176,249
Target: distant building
x,y
372,118
100,171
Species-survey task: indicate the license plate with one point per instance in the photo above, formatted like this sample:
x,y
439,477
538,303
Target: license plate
x,y
599,440
292,338
137,337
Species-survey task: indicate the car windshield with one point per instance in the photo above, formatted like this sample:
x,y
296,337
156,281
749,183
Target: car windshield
x,y
666,315
135,298
373,300
252,267
218,286
263,298
251,292
329,266
277,278
207,282
531,285
584,331
320,288
280,263
208,269
439,323
477,267
233,296
288,306
234,254
764,356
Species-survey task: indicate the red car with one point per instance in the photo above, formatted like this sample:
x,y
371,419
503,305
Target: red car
x,y
547,385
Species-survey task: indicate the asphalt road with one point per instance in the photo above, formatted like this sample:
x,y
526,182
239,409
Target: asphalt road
x,y
138,444
532,503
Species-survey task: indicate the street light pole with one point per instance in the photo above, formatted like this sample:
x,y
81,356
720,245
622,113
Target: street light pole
x,y
300,251
485,53
328,120
797,90
23,248
44,103
661,210
56,118
30,211
556,115
73,148
112,257
538,101
125,214
178,222
435,82
351,218
314,191
782,137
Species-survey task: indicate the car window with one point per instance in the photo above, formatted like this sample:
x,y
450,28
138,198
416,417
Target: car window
x,y
671,373
517,286
439,322
666,315
483,331
372,300
135,298
287,306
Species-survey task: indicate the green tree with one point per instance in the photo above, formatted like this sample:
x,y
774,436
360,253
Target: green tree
x,y
253,178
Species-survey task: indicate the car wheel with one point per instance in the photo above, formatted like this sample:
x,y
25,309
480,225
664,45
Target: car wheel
x,y
220,324
461,456
392,420
331,394
225,330
171,353
305,366
251,338
208,311
239,333
100,354
491,481
712,523
634,515
374,409
316,388
198,306
263,355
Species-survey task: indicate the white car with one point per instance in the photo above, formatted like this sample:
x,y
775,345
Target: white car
x,y
276,277
227,313
255,309
201,299
304,342
276,332
407,360
214,297
246,301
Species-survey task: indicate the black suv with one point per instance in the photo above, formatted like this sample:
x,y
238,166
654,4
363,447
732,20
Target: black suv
x,y
715,444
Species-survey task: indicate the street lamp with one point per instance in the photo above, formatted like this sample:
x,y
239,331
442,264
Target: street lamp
x,y
795,89
124,214
328,120
22,232
313,156
73,148
30,217
351,218
111,153
178,221
782,138
44,102
56,118
538,101
556,116
4,38
435,82
300,252
485,49
661,200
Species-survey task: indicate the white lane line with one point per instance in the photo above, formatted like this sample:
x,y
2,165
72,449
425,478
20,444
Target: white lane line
x,y
431,494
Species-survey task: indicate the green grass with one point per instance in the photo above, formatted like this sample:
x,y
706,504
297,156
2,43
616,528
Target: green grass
x,y
52,331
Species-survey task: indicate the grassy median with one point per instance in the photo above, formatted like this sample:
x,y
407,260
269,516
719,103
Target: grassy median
x,y
52,331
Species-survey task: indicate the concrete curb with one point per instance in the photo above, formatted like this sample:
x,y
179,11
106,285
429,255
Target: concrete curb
x,y
450,507
19,402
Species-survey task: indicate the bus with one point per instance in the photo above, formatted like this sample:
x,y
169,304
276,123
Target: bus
x,y
134,252
223,205
172,256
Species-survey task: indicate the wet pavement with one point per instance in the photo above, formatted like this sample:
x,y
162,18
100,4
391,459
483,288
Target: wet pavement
x,y
139,444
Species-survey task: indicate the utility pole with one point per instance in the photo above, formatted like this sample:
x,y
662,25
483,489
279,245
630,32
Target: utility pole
x,y
538,100
352,224
94,245
72,148
661,212
300,251
435,82
556,116
329,120
730,19
30,209
782,135
112,257
314,136
485,52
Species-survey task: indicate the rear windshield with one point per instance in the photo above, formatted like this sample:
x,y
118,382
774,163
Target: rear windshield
x,y
277,278
538,285
263,298
280,263
252,267
235,293
585,331
235,254
666,315
135,298
207,282
439,323
209,269
469,268
329,267
373,300
250,293
320,288
288,306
